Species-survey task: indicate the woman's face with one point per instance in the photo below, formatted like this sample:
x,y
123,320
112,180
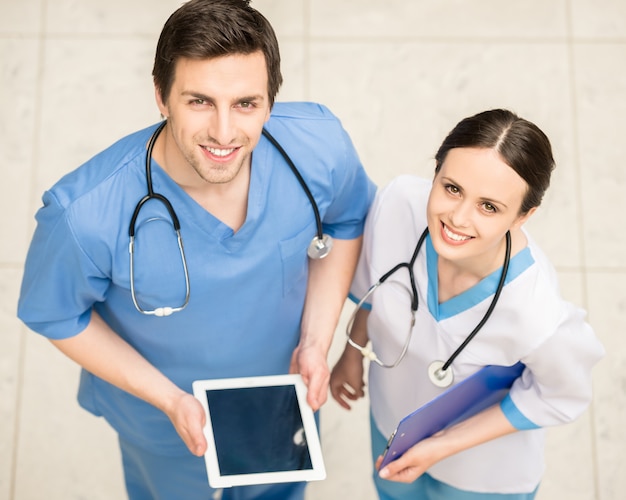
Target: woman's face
x,y
475,199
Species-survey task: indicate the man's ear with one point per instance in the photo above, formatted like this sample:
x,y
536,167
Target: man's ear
x,y
160,102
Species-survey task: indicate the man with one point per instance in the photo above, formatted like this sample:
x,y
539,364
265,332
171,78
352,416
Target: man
x,y
240,297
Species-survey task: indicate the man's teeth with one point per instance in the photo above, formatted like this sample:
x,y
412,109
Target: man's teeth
x,y
454,236
220,152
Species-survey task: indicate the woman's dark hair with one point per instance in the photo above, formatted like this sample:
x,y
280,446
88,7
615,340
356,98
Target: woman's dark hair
x,y
520,143
203,29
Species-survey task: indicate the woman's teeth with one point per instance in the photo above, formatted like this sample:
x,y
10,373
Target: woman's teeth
x,y
454,236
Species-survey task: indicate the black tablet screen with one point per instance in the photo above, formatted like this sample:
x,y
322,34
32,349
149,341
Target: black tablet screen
x,y
258,429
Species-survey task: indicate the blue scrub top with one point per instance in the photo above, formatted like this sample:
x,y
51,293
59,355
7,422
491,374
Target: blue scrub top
x,y
247,288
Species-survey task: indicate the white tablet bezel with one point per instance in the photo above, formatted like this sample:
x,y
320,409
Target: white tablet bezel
x,y
216,479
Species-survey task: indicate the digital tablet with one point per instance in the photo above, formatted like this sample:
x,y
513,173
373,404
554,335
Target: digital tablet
x,y
259,430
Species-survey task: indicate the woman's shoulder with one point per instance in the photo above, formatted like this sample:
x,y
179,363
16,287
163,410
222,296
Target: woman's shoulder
x,y
404,192
407,185
401,201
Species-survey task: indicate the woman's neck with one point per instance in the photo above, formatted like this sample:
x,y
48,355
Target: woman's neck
x,y
456,277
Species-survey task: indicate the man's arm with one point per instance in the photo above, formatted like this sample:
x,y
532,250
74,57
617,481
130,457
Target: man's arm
x,y
327,289
100,351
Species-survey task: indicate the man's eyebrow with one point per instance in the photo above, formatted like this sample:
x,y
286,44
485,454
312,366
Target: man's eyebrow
x,y
196,95
204,97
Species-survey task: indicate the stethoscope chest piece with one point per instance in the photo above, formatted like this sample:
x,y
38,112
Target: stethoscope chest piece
x,y
320,247
439,376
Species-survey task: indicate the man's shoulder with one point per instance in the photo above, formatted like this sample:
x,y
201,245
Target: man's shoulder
x,y
301,111
102,167
306,123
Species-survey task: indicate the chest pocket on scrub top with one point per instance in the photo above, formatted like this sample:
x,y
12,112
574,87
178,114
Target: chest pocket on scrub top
x,y
294,258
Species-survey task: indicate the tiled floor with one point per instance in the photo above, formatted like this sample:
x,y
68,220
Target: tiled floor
x,y
74,76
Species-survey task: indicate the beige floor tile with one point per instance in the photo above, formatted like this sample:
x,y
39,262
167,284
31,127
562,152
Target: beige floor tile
x,y
569,462
18,102
115,17
598,18
440,84
62,450
90,102
288,17
607,299
24,17
10,374
601,103
294,70
447,18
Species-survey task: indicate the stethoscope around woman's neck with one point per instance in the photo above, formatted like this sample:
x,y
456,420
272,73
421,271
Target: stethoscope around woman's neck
x,y
320,245
439,372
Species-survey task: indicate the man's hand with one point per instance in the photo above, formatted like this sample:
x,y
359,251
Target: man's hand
x,y
188,417
311,364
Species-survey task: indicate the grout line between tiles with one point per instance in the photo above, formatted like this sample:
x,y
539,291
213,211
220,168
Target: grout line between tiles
x,y
19,381
375,39
306,20
580,222
31,196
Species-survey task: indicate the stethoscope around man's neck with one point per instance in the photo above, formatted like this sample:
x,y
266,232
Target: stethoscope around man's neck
x,y
320,245
439,372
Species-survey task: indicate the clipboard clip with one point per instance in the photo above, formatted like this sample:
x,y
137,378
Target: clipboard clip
x,y
389,441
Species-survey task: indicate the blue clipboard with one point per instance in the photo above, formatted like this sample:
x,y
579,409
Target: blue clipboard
x,y
486,387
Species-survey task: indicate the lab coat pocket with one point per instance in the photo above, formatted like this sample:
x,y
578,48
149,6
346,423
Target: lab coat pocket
x,y
295,261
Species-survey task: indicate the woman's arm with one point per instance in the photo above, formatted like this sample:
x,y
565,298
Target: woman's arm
x,y
346,379
327,289
482,427
100,351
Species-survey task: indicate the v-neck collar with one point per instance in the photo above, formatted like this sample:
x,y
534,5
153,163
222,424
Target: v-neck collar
x,y
474,295
191,213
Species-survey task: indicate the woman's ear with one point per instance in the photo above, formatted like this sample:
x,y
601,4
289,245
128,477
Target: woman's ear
x,y
522,219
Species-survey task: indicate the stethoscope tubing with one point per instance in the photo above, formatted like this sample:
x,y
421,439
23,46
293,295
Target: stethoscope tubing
x,y
303,184
151,195
371,355
319,247
492,305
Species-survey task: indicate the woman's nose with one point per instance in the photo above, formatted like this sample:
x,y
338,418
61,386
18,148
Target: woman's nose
x,y
461,213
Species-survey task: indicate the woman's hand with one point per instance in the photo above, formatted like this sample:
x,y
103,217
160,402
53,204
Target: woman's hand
x,y
414,462
346,378
483,427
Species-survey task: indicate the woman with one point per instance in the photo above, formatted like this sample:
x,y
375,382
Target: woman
x,y
491,173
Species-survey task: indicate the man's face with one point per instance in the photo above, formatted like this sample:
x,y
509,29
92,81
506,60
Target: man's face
x,y
216,110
